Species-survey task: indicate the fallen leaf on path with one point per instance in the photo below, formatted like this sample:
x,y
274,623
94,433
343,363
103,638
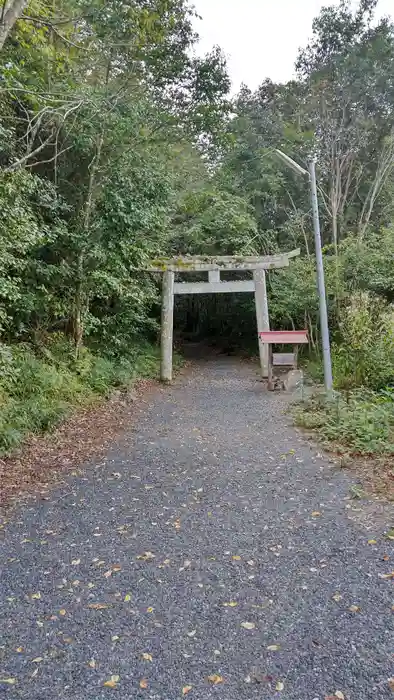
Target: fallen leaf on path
x,y
146,556
386,557
19,650
177,524
62,612
149,610
337,597
186,689
390,534
108,573
248,625
75,562
112,682
279,686
391,683
186,565
92,663
215,679
316,513
192,633
127,598
9,681
273,647
354,608
115,638
236,557
338,694
37,660
98,606
146,657
386,576
36,596
143,683
232,604
372,542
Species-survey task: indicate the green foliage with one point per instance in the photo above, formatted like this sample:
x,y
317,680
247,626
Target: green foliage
x,y
215,223
368,263
39,387
365,356
29,222
362,423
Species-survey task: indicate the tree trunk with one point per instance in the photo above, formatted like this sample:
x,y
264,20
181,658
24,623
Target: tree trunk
x,y
81,301
10,14
78,307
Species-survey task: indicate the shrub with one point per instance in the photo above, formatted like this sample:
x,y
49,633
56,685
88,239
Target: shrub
x,y
365,356
40,386
363,423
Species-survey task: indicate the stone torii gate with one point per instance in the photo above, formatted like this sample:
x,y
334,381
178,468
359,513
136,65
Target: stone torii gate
x,y
214,266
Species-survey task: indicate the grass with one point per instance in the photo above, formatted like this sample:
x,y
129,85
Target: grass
x,y
39,387
360,422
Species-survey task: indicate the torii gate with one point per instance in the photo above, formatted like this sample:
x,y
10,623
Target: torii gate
x,y
214,266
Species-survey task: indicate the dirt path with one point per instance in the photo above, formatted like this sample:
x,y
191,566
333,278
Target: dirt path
x,y
213,542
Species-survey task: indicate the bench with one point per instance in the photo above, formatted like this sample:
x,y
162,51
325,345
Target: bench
x,y
270,338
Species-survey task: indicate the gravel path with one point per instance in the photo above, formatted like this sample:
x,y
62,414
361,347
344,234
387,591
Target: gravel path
x,y
213,542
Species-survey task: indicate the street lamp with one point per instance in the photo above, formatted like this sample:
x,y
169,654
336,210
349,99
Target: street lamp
x,y
311,175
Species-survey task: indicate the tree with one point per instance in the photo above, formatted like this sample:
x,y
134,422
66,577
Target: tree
x,y
10,12
347,71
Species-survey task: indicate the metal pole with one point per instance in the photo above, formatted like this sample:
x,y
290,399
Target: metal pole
x,y
320,281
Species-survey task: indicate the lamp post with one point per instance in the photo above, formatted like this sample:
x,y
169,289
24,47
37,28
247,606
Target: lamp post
x,y
311,175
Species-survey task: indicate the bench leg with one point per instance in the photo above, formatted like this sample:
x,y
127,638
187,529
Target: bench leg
x,y
295,364
270,370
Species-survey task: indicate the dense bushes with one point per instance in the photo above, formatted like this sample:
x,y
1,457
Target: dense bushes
x,y
360,421
361,416
365,355
40,387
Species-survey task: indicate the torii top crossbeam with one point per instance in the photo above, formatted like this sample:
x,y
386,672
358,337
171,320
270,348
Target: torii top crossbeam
x,y
206,263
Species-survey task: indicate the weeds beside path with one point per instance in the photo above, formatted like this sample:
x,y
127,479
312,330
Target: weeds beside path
x,y
359,427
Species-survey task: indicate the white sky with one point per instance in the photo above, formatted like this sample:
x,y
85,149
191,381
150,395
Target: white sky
x,y
261,37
